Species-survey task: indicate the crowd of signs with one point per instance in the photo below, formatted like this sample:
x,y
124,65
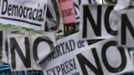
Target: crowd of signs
x,y
104,44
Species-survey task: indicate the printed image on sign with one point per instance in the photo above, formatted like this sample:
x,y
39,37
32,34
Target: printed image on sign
x,y
103,58
126,29
24,13
62,61
95,22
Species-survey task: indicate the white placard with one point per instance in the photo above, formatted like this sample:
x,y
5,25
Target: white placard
x,y
95,22
62,61
126,28
24,13
27,49
103,58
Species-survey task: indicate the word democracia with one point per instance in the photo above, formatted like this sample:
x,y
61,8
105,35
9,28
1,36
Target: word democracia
x,y
22,11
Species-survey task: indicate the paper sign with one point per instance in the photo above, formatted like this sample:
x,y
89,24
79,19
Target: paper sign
x,y
62,61
67,10
126,28
103,58
25,13
26,49
95,22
